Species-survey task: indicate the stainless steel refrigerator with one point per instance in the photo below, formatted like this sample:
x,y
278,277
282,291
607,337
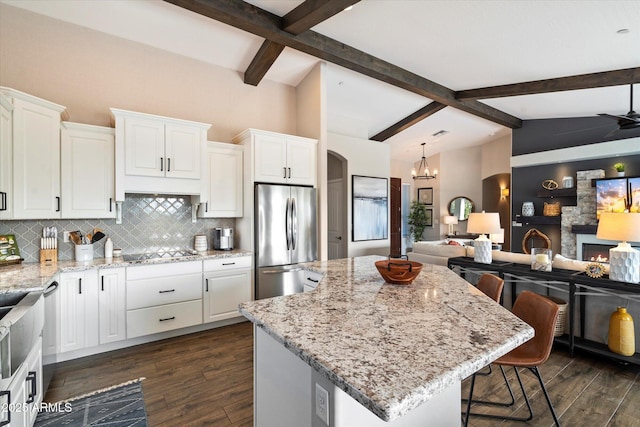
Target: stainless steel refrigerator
x,y
285,234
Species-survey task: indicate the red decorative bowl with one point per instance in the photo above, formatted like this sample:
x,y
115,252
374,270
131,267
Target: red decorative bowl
x,y
398,272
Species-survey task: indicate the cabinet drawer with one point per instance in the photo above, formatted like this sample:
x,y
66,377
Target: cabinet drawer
x,y
162,270
227,263
146,321
312,279
163,290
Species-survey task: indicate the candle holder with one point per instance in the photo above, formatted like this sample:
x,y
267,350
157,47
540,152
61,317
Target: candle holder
x,y
541,259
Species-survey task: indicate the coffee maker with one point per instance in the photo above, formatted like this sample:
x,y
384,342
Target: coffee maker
x,y
223,239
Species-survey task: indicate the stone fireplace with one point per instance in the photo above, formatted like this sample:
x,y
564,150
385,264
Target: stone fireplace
x,y
584,213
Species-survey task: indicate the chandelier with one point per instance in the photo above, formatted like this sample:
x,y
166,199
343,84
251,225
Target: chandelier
x,y
424,167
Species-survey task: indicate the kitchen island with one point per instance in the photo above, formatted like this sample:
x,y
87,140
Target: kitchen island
x,y
391,355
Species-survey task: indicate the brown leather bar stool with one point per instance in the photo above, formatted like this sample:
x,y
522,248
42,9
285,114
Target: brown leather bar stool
x,y
541,314
491,285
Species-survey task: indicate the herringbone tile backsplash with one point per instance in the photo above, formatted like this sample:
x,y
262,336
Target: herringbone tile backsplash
x,y
149,224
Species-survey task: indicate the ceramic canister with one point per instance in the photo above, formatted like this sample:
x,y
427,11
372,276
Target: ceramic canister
x,y
567,182
528,209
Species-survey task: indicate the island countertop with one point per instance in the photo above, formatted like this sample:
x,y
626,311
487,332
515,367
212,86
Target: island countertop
x,y
390,347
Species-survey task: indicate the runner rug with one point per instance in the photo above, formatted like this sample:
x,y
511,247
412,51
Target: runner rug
x,y
119,406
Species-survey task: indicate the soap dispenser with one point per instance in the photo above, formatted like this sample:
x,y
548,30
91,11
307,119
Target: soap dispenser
x,y
108,248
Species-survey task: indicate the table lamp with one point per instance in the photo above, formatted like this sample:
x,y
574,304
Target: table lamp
x,y
483,223
624,261
497,239
450,220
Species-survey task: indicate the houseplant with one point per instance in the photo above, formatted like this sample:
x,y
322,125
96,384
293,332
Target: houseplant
x,y
619,167
417,220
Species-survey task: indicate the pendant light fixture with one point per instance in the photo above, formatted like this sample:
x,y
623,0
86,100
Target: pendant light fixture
x,y
424,168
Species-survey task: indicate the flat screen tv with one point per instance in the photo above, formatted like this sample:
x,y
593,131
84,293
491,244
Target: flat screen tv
x,y
612,193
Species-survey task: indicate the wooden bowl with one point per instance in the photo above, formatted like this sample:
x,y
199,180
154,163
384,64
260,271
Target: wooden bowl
x,y
398,272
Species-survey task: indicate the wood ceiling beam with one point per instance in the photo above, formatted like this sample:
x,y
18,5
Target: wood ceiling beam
x,y
262,23
312,12
302,18
264,59
408,121
582,81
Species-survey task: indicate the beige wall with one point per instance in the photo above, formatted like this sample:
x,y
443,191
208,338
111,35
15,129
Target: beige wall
x,y
88,72
496,157
377,164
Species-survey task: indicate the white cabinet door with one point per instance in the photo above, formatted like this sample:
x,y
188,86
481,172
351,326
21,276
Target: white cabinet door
x,y
33,384
183,151
144,147
223,291
17,396
36,161
87,171
78,310
301,162
112,305
270,159
6,158
224,180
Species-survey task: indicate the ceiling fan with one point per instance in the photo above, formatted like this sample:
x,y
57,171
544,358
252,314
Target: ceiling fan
x,y
629,121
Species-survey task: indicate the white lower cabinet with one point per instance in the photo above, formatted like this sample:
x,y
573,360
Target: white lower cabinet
x,y
227,283
21,400
163,297
78,310
112,305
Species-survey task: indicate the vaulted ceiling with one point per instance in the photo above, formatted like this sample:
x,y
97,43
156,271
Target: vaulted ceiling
x,y
404,70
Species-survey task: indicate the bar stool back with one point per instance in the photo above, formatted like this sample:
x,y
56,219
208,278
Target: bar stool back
x,y
491,285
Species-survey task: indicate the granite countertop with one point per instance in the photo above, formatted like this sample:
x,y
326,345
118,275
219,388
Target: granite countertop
x,y
390,347
35,276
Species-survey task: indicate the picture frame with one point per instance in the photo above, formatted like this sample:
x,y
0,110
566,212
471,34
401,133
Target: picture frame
x,y
429,213
425,195
370,208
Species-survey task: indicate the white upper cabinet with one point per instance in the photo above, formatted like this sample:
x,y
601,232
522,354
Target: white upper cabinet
x,y
87,171
222,182
6,157
279,158
156,154
36,156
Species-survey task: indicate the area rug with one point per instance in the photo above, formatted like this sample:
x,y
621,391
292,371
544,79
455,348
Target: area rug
x,y
119,406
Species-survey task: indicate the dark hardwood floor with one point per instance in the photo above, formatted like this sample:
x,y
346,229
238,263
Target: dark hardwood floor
x,y
206,379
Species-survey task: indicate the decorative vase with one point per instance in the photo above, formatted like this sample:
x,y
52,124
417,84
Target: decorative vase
x,y
622,339
528,209
620,173
567,182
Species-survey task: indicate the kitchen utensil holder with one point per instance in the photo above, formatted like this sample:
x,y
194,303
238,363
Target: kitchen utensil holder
x,y
49,256
84,252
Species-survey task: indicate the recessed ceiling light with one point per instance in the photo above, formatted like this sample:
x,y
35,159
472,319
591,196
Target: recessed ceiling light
x,y
348,8
340,83
623,31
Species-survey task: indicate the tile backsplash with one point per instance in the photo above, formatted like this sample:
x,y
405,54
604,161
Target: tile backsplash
x,y
149,223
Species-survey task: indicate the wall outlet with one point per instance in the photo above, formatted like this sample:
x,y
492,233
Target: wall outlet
x,y
322,403
65,236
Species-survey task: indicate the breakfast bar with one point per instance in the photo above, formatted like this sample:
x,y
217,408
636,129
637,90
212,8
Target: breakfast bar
x,y
359,350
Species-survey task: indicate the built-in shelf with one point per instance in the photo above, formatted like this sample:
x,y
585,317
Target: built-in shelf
x,y
539,220
558,192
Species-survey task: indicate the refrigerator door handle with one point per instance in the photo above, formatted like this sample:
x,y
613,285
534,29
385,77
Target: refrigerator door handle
x,y
287,224
294,223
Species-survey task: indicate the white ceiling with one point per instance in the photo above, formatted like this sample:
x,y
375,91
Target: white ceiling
x,y
460,44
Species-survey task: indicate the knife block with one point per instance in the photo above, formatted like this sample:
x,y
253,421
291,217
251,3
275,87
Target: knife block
x,y
48,256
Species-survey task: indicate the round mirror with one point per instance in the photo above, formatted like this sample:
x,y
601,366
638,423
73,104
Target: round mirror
x,y
461,207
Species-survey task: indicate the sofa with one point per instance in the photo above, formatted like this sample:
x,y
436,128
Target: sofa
x,y
439,251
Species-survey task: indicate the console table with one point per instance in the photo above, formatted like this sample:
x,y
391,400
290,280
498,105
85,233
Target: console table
x,y
576,284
